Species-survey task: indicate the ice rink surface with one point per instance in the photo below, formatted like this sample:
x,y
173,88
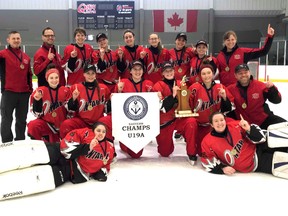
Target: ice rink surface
x,y
153,185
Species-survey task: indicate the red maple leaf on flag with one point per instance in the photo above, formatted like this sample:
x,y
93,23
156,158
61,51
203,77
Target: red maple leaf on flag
x,y
175,20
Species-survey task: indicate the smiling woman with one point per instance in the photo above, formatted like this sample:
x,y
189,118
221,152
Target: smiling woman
x,y
84,154
232,55
48,106
230,147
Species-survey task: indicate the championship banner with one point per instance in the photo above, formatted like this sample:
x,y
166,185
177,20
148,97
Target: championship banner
x,y
135,118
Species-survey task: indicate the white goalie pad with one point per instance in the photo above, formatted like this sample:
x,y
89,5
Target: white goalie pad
x,y
21,154
277,135
19,183
280,164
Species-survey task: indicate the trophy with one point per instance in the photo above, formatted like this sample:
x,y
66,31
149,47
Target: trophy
x,y
184,109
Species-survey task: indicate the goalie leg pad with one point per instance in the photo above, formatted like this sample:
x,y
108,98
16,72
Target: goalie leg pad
x,y
32,180
21,154
277,135
280,164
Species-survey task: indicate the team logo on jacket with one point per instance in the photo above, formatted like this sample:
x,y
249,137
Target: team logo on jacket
x,y
135,107
255,95
237,56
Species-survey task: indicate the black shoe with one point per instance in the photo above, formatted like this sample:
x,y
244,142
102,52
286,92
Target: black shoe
x,y
177,136
192,159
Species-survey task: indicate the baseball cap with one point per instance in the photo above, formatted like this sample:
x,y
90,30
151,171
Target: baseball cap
x,y
89,67
136,62
201,42
101,35
166,65
181,34
241,67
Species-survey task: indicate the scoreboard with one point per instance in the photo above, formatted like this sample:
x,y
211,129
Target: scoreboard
x,y
105,14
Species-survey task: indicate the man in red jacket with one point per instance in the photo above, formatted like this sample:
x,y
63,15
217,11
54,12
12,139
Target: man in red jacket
x,y
250,98
46,55
16,86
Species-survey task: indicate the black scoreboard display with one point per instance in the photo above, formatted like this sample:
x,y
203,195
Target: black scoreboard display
x,y
105,14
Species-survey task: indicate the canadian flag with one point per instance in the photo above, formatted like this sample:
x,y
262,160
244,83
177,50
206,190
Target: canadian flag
x,y
175,20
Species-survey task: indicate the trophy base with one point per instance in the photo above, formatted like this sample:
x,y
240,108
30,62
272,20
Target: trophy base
x,y
185,113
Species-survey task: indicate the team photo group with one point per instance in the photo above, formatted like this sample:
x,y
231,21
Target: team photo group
x,y
211,102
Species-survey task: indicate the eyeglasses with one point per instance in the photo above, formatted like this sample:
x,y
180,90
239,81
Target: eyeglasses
x,y
51,36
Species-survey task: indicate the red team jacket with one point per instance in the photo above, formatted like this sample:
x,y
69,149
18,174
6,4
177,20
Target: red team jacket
x,y
166,91
13,77
129,57
240,153
75,147
51,106
107,71
239,55
153,63
98,102
256,110
195,65
131,86
74,66
181,60
41,62
207,104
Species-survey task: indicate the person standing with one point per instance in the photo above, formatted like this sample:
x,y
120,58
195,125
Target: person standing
x,y
232,55
106,61
131,53
181,56
250,98
46,55
76,57
198,60
16,87
156,55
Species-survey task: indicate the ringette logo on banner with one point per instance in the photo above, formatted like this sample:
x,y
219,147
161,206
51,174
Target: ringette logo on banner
x,y
135,107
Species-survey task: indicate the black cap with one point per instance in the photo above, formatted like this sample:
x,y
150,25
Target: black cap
x,y
166,65
101,35
181,34
241,67
201,42
136,62
89,67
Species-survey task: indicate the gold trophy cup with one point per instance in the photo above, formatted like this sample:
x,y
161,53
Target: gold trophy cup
x,y
184,109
